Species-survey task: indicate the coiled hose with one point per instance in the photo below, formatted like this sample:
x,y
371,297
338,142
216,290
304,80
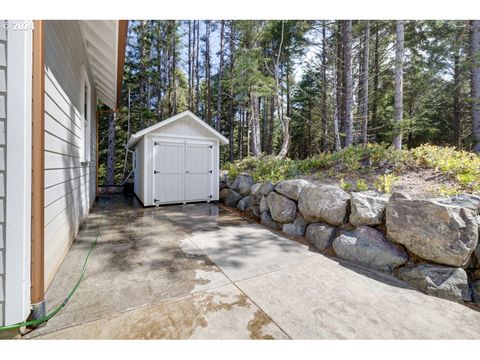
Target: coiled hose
x,y
60,306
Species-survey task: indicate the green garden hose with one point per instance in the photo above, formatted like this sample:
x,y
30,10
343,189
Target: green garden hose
x,y
59,307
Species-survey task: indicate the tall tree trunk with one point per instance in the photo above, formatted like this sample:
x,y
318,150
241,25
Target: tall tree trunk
x,y
270,125
397,140
174,66
456,91
197,67
336,113
190,56
208,99
254,124
365,82
324,88
475,81
220,75
347,63
339,87
284,118
376,60
240,134
231,112
110,179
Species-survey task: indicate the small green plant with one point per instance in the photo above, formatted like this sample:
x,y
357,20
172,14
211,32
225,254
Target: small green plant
x,y
448,190
384,183
361,185
345,185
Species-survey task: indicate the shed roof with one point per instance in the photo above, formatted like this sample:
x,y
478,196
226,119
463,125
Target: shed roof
x,y
186,114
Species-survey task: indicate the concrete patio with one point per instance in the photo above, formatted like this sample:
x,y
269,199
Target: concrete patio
x,y
199,272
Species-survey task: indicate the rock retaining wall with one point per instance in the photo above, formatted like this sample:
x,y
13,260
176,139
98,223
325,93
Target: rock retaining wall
x,y
430,243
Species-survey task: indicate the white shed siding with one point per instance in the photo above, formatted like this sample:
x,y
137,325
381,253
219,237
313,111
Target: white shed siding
x,y
139,185
3,115
69,185
183,129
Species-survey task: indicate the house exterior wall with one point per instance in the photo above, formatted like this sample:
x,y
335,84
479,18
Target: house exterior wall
x,y
15,176
3,119
69,177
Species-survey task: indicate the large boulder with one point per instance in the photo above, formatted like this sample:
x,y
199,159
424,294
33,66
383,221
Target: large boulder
x,y
246,202
399,195
292,188
370,248
476,292
468,201
297,228
242,184
232,198
253,211
282,209
320,235
263,204
266,188
266,219
256,188
324,203
367,208
441,233
223,195
442,281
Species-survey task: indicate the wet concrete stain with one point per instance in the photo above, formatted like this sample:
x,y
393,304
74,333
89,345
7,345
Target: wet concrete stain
x,y
256,325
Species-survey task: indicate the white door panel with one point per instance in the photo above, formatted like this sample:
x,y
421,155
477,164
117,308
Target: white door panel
x,y
183,171
198,174
168,171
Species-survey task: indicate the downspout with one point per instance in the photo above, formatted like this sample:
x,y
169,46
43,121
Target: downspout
x,y
37,294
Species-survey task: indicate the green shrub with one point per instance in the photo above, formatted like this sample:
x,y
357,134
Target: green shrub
x,y
361,185
384,183
461,166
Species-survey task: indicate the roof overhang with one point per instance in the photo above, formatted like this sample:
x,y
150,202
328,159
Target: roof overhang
x,y
105,42
215,134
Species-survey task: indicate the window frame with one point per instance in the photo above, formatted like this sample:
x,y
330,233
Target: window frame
x,y
86,115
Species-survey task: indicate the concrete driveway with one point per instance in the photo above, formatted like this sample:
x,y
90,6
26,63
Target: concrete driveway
x,y
199,272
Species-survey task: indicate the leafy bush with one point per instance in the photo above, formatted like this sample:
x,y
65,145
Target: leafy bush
x,y
461,166
384,183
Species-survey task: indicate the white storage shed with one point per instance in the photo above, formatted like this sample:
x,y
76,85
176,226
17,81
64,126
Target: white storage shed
x,y
177,161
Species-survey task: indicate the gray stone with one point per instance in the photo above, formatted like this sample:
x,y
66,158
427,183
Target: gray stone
x,y
399,195
266,188
263,204
324,203
242,184
292,188
442,281
476,291
437,232
266,219
223,195
244,203
367,208
282,209
297,228
253,211
256,188
369,247
320,235
468,201
232,198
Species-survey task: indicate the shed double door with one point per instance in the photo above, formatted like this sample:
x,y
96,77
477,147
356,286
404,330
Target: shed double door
x,y
182,171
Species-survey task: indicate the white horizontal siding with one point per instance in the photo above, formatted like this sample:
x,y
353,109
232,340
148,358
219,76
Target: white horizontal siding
x,y
69,184
3,112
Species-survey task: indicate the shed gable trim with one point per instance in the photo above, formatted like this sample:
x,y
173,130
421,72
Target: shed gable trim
x,y
136,137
